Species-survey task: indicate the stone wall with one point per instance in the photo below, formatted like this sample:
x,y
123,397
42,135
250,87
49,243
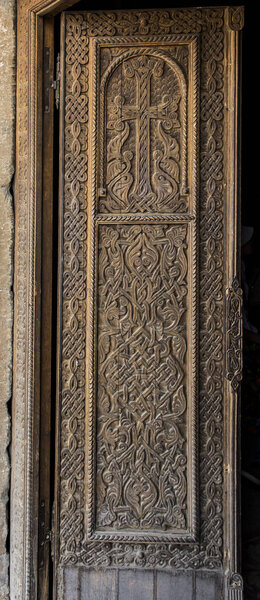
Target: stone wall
x,y
7,124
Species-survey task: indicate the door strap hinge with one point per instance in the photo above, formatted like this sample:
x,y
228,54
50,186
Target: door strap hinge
x,y
56,83
46,535
52,532
50,83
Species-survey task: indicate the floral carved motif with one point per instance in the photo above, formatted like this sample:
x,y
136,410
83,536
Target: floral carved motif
x,y
141,408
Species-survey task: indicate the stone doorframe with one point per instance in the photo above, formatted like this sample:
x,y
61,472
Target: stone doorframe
x,y
28,201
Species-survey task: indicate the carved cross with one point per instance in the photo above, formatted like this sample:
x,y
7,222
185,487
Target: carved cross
x,y
143,69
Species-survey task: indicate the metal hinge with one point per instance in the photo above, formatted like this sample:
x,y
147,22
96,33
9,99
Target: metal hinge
x,y
49,83
56,83
52,532
46,535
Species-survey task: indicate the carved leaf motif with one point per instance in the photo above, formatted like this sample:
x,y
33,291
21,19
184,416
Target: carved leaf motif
x,y
141,439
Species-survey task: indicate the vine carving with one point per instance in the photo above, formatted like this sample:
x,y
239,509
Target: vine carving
x,y
141,409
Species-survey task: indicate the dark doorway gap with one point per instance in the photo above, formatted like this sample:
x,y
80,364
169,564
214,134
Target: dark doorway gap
x,y
250,393
55,285
250,209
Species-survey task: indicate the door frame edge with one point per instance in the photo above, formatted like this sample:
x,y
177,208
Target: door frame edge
x,y
27,293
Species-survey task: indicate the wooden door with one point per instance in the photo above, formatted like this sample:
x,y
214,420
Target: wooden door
x,y
150,311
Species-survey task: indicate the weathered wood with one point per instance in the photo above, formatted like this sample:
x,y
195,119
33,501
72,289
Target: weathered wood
x,y
208,586
131,349
217,31
72,583
98,584
175,586
134,584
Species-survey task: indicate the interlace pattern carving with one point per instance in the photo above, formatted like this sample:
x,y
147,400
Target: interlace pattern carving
x,y
236,17
234,333
74,293
211,288
141,447
208,23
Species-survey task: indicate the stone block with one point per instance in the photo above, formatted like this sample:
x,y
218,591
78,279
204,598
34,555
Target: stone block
x,y
7,82
7,123
4,587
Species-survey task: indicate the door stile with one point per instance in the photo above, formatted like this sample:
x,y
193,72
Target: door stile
x,y
233,309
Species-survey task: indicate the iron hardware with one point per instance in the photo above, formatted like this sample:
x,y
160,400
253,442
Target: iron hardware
x,y
55,85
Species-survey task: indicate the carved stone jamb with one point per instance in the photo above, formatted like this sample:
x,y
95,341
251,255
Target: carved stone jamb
x,y
233,335
27,278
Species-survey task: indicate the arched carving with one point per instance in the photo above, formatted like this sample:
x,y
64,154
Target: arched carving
x,y
145,161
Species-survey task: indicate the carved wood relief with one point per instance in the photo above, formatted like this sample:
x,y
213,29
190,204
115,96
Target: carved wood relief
x,y
133,362
145,98
234,329
141,406
215,75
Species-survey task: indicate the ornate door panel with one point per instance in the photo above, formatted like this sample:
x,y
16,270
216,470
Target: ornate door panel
x,y
142,387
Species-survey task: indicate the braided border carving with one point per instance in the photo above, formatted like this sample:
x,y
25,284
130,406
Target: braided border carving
x,y
211,287
208,23
234,334
74,288
145,218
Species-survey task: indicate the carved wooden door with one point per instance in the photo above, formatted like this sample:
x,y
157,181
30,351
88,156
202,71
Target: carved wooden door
x,y
150,317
